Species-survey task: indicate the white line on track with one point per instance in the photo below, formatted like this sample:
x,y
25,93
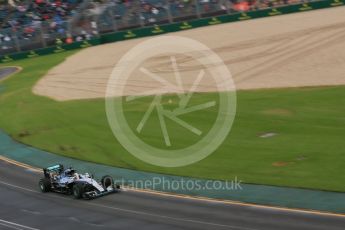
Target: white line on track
x,y
15,186
136,212
9,226
15,225
172,218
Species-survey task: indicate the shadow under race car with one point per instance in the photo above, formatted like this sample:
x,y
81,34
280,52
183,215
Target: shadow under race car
x,y
68,181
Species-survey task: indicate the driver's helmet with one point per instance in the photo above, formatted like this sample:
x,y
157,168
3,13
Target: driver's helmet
x,y
69,172
76,176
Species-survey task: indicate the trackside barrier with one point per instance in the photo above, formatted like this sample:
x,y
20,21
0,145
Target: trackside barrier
x,y
49,50
174,27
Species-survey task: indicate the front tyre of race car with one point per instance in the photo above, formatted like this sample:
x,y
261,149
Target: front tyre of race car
x,y
107,181
44,185
78,190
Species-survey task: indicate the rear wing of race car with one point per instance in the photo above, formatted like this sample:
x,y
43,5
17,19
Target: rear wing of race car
x,y
58,169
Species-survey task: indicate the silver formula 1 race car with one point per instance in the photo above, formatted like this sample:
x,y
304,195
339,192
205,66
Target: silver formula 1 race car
x,y
68,181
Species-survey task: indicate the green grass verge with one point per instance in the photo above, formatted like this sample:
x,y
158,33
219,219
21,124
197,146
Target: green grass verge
x,y
308,150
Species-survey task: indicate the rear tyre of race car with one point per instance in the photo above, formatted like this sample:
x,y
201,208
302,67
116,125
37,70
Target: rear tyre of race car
x,y
44,185
78,191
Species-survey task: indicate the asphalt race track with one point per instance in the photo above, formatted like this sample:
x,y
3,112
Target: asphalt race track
x,y
4,72
23,206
